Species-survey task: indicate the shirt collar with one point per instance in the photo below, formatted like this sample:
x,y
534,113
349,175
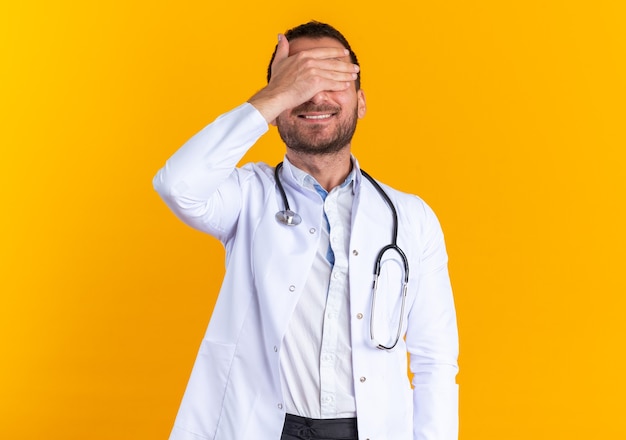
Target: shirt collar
x,y
305,180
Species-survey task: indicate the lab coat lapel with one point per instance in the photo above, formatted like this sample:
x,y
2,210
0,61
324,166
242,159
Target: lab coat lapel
x,y
282,256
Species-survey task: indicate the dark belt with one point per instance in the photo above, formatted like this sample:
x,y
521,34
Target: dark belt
x,y
303,428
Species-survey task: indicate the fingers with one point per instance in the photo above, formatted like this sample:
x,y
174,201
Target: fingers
x,y
318,66
337,64
332,69
315,80
320,70
320,59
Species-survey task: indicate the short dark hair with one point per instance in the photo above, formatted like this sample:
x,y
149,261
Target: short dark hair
x,y
316,30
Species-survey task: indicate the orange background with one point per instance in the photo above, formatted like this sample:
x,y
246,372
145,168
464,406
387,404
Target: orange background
x,y
508,118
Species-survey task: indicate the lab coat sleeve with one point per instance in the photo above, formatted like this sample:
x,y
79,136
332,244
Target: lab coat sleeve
x,y
432,341
200,182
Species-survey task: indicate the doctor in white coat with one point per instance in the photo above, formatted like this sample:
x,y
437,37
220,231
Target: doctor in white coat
x,y
300,345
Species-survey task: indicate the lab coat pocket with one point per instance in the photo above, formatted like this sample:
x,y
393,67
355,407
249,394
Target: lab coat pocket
x,y
201,407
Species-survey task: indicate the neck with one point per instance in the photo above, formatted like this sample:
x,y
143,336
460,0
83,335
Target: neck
x,y
330,170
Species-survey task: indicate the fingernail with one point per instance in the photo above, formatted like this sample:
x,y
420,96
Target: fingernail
x,y
280,37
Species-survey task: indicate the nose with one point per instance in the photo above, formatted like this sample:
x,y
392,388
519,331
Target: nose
x,y
319,98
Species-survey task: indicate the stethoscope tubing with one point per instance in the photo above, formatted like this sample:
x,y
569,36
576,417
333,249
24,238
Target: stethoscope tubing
x,y
290,218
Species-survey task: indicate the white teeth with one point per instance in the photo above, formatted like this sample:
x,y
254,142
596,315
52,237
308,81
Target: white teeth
x,y
317,116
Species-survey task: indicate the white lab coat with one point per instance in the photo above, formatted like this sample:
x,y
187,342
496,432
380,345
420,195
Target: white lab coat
x,y
234,391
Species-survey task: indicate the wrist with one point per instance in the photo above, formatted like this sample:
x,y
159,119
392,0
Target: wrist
x,y
269,106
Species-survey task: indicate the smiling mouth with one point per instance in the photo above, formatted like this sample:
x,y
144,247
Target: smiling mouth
x,y
316,117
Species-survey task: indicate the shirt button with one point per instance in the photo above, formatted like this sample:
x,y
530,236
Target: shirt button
x,y
362,379
359,316
355,252
275,349
292,288
312,231
280,406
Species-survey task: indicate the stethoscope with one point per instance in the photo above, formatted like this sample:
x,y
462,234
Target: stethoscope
x,y
290,218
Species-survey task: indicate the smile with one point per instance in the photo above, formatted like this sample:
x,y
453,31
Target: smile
x,y
326,116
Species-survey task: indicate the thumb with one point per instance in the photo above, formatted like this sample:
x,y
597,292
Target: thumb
x,y
282,50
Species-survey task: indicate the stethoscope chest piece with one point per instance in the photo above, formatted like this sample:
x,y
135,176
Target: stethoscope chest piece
x,y
288,217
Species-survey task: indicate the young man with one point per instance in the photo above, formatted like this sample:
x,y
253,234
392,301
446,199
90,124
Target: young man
x,y
300,344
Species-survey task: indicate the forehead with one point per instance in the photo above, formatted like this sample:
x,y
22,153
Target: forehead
x,y
305,43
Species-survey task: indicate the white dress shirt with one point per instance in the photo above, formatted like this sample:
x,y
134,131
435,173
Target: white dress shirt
x,y
316,359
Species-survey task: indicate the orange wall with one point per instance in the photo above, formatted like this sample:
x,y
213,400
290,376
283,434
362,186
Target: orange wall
x,y
507,117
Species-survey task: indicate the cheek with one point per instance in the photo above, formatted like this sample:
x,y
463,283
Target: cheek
x,y
350,101
281,120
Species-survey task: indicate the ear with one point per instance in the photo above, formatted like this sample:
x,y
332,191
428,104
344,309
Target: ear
x,y
361,106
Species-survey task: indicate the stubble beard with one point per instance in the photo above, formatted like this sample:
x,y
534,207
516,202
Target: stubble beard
x,y
310,142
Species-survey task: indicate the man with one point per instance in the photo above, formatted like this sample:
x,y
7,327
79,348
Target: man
x,y
300,346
